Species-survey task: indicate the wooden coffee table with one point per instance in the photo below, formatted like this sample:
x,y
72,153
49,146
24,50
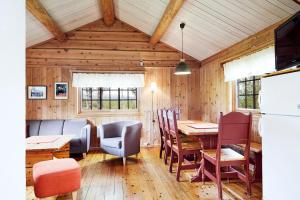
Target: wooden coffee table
x,y
40,148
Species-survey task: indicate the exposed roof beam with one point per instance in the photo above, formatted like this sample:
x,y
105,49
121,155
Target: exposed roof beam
x,y
107,8
165,21
39,12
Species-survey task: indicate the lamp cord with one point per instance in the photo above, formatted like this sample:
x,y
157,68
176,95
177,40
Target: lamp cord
x,y
181,43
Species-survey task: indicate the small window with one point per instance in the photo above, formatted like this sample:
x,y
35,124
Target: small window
x,y
109,98
247,92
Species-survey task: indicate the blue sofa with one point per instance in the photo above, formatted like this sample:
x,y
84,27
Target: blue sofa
x,y
77,127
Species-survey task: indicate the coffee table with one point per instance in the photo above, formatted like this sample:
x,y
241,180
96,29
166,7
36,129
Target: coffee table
x,y
40,148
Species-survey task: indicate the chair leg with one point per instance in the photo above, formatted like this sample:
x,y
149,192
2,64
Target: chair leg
x,y
195,158
228,179
124,161
74,195
202,170
171,161
180,159
219,184
166,154
248,179
161,149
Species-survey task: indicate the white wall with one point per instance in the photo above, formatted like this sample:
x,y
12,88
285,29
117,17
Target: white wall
x,y
12,99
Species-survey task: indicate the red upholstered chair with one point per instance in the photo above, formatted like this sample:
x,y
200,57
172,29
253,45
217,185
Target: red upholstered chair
x,y
161,131
181,147
56,177
234,128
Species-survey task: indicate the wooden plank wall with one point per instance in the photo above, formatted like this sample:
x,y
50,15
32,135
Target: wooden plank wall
x,y
117,48
218,95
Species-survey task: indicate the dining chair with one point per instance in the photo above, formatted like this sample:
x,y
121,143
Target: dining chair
x,y
166,132
180,147
177,111
234,128
161,131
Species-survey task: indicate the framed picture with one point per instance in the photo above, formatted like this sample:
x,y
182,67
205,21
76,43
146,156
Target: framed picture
x,y
36,92
61,91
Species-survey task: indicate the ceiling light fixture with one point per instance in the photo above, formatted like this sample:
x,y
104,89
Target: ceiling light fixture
x,y
182,68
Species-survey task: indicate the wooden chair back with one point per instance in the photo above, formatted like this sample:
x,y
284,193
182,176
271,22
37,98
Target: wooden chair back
x,y
166,124
235,128
174,135
160,122
177,111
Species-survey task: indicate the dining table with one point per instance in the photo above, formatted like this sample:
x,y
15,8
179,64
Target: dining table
x,y
205,132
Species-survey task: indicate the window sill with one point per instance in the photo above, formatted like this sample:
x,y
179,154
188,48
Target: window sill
x,y
108,113
255,112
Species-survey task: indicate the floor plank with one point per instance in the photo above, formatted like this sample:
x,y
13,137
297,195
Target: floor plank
x,y
144,178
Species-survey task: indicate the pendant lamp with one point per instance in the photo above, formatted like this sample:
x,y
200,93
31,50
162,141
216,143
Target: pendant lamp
x,y
182,68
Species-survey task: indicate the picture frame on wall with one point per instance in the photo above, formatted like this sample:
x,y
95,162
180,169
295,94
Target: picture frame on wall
x,y
37,92
61,90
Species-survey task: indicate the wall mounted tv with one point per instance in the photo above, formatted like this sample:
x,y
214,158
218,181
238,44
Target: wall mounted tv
x,y
287,43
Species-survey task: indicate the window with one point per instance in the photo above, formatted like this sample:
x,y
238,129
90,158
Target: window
x,y
247,92
109,98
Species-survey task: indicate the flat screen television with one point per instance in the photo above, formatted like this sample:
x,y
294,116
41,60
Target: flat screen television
x,y
287,43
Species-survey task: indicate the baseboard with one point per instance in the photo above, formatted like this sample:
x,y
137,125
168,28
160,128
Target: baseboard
x,y
94,149
151,145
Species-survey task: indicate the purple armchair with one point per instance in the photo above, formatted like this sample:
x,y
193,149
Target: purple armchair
x,y
120,138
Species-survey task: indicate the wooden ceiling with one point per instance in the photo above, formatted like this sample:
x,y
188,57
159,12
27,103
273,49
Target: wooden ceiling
x,y
210,25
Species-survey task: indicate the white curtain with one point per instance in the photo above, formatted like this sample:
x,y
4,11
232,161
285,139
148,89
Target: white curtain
x,y
254,64
81,80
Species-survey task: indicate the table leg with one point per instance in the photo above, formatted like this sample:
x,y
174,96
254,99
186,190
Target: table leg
x,y
33,157
207,142
258,168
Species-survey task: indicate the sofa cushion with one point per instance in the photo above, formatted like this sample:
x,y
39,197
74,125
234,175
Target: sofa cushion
x,y
115,142
74,126
51,127
34,127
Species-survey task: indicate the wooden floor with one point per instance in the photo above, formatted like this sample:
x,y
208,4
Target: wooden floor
x,y
145,178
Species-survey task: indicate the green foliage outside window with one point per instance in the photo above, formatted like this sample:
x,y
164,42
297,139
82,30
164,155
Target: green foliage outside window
x,y
109,98
247,92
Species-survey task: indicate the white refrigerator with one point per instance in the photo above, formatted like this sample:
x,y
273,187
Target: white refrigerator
x,y
280,130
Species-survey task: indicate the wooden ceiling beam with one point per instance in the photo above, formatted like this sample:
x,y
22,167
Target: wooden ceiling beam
x,y
41,14
169,14
107,9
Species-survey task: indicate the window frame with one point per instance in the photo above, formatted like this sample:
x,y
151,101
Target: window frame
x,y
80,110
255,94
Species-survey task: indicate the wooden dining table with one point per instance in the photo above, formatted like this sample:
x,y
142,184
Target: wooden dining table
x,y
205,132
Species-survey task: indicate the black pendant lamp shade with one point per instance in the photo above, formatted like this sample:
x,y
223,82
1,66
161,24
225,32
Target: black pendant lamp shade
x,y
182,68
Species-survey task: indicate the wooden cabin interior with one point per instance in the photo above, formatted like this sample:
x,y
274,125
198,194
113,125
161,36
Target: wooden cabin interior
x,y
160,99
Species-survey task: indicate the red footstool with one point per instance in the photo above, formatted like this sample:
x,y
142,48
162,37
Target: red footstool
x,y
56,177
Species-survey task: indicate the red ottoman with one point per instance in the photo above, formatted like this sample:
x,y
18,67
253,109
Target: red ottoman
x,y
56,177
